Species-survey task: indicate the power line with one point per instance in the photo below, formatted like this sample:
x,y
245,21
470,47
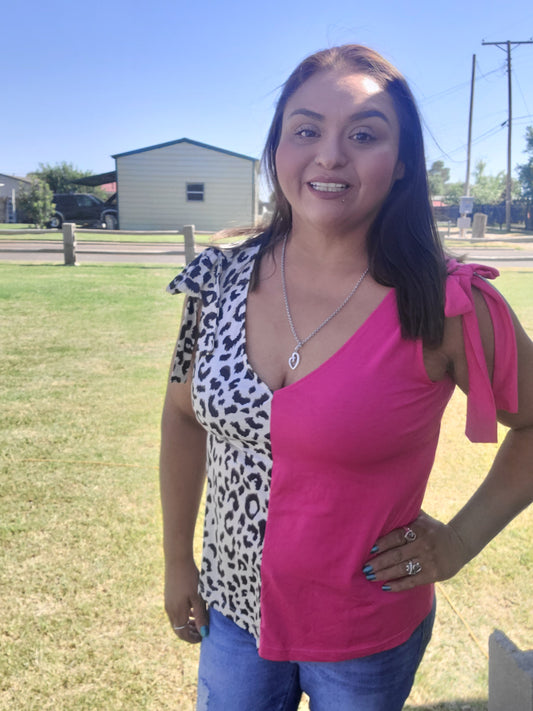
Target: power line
x,y
521,92
424,101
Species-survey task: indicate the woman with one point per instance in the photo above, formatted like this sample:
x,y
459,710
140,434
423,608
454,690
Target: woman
x,y
312,370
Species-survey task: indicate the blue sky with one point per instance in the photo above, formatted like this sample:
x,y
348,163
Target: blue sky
x,y
83,81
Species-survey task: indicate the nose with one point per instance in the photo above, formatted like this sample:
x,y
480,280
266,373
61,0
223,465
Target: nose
x,y
330,153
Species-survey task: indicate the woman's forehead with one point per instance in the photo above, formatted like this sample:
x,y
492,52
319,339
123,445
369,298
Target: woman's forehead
x,y
333,89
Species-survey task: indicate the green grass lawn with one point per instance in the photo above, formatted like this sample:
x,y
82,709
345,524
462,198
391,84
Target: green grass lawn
x,y
84,359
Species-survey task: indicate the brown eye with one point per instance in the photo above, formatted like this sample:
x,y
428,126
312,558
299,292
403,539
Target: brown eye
x,y
306,133
363,137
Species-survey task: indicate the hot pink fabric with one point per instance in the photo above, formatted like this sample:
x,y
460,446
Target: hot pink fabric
x,y
353,444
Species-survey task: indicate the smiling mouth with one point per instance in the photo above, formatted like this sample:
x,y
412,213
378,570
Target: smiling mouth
x,y
329,187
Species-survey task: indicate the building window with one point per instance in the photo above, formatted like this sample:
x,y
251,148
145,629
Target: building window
x,y
195,191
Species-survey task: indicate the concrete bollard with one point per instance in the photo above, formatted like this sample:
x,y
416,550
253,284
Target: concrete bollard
x,y
510,675
479,226
188,235
69,243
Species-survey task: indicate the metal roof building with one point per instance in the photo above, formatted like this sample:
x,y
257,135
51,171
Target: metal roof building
x,y
184,182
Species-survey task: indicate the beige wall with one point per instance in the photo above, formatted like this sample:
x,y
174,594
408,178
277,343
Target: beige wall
x,y
152,189
8,183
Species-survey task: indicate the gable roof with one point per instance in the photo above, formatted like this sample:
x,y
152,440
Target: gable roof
x,y
184,140
15,177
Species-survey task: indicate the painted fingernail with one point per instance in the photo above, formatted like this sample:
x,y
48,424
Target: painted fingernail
x,y
204,631
370,576
375,548
386,588
368,569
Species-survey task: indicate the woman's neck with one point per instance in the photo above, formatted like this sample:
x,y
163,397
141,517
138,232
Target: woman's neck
x,y
342,253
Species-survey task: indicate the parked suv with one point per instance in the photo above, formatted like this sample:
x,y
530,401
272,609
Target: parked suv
x,y
85,209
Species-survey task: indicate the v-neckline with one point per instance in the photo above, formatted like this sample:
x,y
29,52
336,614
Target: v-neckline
x,y
319,368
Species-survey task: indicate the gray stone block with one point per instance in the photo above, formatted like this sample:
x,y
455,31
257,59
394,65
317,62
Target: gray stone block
x,y
69,243
479,225
510,675
188,236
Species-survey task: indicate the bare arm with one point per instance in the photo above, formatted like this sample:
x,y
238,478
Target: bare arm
x,y
443,550
182,474
508,488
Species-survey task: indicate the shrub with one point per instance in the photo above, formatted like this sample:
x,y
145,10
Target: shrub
x,y
36,205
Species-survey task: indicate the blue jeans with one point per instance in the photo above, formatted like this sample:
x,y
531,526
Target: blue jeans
x,y
233,677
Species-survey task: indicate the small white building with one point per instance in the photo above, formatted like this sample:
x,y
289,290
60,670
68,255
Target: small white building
x,y
10,188
185,182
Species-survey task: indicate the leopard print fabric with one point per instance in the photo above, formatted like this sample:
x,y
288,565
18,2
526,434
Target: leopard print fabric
x,y
233,405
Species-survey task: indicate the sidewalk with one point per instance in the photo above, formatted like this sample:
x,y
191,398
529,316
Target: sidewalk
x,y
518,236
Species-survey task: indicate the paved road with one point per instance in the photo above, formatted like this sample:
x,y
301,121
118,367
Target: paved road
x,y
497,257
165,253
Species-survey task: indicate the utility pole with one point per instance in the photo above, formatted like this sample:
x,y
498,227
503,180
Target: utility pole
x,y
470,115
506,46
466,203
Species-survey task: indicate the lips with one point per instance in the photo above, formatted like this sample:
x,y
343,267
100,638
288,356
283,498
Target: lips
x,y
328,187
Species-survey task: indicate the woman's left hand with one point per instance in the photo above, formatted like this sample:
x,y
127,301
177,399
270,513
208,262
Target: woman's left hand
x,y
424,552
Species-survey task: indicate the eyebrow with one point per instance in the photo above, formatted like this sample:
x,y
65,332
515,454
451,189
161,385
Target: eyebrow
x,y
357,116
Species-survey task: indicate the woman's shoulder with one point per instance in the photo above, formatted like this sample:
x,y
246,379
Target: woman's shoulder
x,y
208,269
482,344
462,282
194,277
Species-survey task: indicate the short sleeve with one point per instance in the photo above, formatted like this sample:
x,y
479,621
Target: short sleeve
x,y
200,282
485,396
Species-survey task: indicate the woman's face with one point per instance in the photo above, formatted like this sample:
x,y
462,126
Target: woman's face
x,y
337,158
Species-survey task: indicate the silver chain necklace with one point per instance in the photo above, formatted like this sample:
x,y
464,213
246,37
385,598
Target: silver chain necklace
x,y
294,359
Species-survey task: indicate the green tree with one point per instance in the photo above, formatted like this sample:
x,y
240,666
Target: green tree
x,y
60,177
438,176
36,205
488,189
525,170
453,193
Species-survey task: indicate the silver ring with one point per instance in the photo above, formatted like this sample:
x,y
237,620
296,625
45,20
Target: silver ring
x,y
413,567
409,534
176,628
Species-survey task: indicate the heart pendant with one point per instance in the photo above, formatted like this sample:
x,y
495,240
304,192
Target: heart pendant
x,y
294,360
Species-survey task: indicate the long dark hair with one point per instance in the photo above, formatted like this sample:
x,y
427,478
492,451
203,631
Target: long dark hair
x,y
404,248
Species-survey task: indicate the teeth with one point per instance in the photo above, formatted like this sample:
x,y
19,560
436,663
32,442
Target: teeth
x,y
329,187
